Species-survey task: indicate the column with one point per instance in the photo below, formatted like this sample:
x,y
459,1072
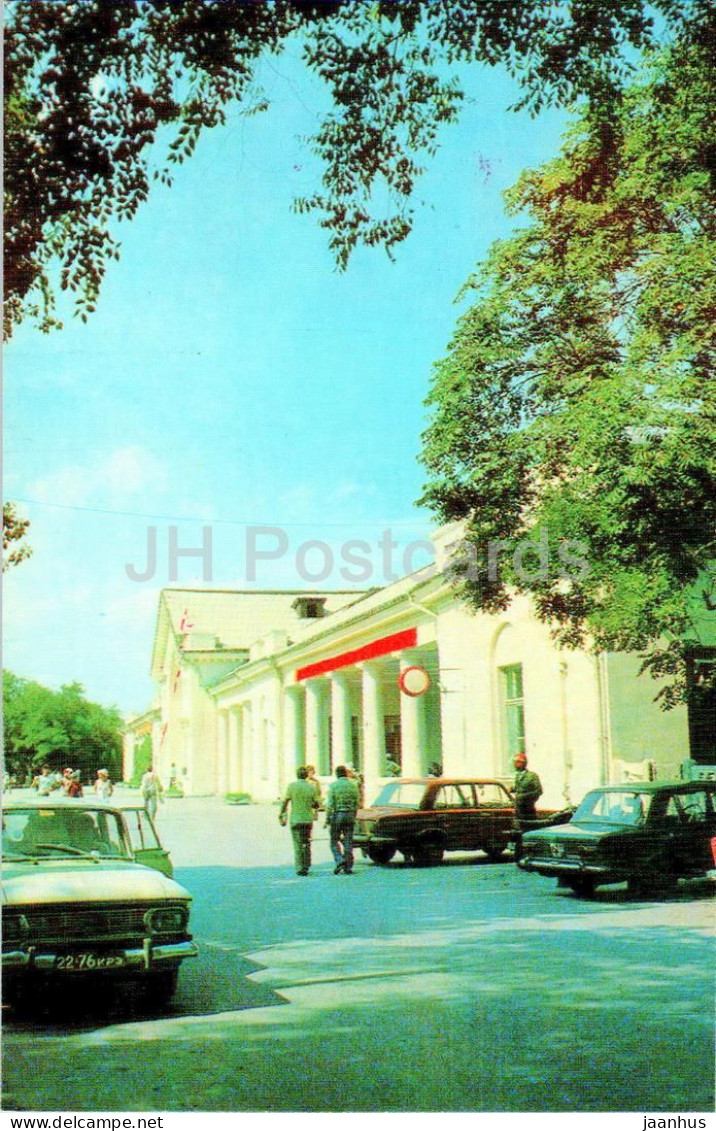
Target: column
x,y
222,752
412,730
249,769
294,739
316,728
373,726
340,719
234,753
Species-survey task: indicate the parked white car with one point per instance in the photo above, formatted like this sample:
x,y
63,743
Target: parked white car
x,y
87,890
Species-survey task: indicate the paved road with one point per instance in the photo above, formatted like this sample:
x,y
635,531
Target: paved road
x,y
470,987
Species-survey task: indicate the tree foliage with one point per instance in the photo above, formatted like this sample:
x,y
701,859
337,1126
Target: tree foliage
x,y
575,404
92,85
14,530
58,729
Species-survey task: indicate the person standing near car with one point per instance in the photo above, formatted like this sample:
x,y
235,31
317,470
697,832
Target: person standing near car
x,y
303,800
527,790
341,807
152,791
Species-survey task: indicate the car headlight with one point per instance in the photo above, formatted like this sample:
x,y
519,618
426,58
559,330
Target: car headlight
x,y
161,920
15,927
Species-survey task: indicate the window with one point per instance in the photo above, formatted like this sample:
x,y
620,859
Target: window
x,y
513,711
402,795
493,796
688,807
454,797
392,739
617,807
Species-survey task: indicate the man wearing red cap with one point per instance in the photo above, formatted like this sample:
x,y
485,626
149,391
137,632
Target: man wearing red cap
x,y
527,790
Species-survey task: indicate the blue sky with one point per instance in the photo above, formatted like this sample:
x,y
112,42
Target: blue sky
x,y
231,377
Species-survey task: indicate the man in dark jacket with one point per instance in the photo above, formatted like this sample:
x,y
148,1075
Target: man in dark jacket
x,y
527,790
342,805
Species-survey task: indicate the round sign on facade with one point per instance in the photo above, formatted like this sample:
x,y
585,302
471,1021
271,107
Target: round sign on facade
x,y
414,680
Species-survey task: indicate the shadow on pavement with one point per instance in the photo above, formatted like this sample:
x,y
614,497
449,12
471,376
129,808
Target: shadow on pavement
x,y
215,982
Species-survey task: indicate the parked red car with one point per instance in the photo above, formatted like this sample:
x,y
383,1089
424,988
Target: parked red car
x,y
425,817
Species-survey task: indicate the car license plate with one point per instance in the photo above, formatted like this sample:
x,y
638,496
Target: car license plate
x,y
87,960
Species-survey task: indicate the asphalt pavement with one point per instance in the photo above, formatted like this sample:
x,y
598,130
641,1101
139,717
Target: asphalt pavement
x,y
467,987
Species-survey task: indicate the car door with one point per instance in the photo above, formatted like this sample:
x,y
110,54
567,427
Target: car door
x,y
455,815
495,814
691,841
144,839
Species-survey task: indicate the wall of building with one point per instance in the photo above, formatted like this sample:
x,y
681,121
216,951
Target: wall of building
x,y
564,738
187,730
640,730
249,748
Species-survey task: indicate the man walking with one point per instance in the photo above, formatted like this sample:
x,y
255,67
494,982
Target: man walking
x,y
341,808
152,791
527,790
302,797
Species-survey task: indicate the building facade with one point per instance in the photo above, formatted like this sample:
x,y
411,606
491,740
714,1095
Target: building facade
x,y
201,636
253,684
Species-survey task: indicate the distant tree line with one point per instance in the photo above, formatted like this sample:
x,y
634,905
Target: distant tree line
x,y
61,728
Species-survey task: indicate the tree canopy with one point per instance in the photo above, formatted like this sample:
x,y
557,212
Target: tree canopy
x,y
93,85
574,411
58,729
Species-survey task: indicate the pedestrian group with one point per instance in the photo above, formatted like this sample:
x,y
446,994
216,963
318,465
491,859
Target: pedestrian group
x,y
303,799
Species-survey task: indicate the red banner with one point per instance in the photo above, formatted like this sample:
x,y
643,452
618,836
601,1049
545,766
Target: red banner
x,y
381,647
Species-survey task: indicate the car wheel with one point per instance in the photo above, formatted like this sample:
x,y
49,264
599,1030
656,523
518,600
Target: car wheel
x,y
495,851
428,855
582,885
381,853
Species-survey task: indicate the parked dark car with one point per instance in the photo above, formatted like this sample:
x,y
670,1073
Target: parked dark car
x,y
87,890
425,817
648,835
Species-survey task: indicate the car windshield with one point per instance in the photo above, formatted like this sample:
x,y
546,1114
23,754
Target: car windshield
x,y
401,794
62,832
618,807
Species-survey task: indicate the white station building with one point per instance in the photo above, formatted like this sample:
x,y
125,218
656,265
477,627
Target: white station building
x,y
252,684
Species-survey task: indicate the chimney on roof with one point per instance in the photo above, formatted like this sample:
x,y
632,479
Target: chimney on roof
x,y
310,607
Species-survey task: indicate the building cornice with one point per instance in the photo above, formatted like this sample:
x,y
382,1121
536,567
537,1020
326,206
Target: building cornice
x,y
432,586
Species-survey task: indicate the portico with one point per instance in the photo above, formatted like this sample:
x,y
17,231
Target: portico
x,y
357,715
